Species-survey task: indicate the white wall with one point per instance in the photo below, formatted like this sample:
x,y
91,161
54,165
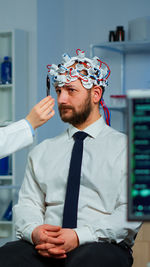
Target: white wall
x,y
22,14
57,26
50,47
65,25
89,22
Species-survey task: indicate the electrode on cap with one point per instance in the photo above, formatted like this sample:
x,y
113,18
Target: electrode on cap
x,y
65,57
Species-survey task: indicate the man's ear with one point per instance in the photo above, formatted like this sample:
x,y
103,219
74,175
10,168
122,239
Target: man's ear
x,y
96,94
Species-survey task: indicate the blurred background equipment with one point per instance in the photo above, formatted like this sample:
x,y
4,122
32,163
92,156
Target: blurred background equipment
x,y
139,29
139,154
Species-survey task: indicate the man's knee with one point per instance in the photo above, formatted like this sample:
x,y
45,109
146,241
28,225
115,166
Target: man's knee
x,y
84,255
98,254
13,253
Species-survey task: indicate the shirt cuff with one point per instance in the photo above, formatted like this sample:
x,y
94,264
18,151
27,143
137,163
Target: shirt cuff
x,y
32,130
84,235
27,233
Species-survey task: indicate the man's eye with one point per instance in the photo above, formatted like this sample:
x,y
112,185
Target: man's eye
x,y
71,90
58,91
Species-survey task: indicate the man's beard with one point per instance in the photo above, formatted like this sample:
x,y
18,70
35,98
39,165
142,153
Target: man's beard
x,y
77,117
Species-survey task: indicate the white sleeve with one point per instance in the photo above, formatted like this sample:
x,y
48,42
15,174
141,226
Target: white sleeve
x,y
30,210
14,137
114,226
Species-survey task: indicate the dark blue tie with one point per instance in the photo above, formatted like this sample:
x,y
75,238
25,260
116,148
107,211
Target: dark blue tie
x,y
73,185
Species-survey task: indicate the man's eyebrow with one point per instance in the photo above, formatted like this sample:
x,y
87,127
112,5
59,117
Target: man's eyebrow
x,y
66,86
69,86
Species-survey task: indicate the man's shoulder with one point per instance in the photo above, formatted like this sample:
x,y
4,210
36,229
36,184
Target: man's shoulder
x,y
113,133
117,134
114,138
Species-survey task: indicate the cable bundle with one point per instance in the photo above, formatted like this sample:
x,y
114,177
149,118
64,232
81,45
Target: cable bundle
x,y
107,113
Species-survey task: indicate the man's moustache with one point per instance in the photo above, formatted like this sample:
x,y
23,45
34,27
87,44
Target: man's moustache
x,y
63,107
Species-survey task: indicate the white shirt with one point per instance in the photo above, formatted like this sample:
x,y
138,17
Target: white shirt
x,y
102,198
14,137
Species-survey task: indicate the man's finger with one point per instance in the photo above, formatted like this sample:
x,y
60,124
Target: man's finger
x,y
59,257
44,246
52,228
44,254
52,234
55,241
56,251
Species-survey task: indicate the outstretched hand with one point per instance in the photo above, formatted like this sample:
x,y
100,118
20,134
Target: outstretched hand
x,y
41,112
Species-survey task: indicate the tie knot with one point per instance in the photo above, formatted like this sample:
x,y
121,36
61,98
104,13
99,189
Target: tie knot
x,y
80,135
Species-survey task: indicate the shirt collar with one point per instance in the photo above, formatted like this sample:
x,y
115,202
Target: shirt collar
x,y
93,130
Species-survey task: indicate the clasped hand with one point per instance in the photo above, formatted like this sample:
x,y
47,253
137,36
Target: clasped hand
x,y
54,241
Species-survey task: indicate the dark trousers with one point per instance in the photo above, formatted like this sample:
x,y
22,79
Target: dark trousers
x,y
23,254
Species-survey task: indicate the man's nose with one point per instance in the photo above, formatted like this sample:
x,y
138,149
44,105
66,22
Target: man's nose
x,y
63,97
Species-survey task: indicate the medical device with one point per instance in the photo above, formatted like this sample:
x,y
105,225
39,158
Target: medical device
x,y
89,71
138,105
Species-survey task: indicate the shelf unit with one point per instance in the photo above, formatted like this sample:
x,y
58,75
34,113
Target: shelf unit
x,y
13,106
122,48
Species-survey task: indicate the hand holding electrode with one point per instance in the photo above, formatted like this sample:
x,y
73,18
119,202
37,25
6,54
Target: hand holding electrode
x,y
41,112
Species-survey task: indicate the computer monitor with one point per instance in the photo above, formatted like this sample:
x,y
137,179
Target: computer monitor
x,y
138,107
